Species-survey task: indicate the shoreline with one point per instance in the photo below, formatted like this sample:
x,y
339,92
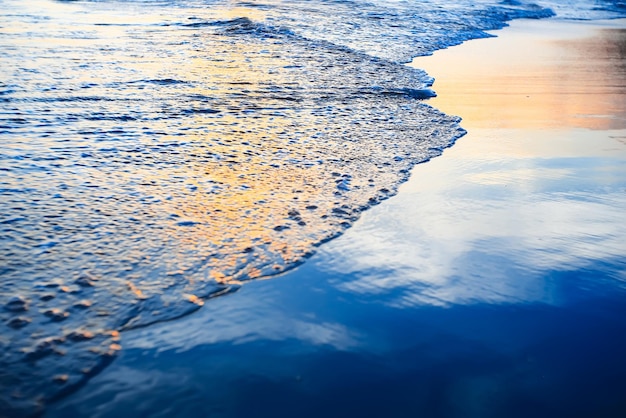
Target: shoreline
x,y
350,305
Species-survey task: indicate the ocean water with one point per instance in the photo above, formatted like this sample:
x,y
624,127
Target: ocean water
x,y
158,154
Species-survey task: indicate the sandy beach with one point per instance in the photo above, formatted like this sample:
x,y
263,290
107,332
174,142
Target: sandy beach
x,y
492,285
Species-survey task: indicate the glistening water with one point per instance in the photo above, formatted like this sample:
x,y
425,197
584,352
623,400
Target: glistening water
x,y
491,286
156,154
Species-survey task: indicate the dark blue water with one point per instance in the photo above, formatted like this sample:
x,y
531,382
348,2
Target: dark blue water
x,y
298,346
156,155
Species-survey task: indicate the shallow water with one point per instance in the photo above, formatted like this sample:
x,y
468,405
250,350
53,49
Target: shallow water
x,y
158,154
492,285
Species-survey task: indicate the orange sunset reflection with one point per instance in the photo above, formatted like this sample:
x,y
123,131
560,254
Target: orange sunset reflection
x,y
575,81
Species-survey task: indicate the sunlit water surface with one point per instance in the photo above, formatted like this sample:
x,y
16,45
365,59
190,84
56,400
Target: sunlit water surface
x,y
158,154
492,285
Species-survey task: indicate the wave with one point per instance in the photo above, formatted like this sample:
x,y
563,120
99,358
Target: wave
x,y
210,151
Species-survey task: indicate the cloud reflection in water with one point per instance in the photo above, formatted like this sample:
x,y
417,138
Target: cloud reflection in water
x,y
488,237
523,196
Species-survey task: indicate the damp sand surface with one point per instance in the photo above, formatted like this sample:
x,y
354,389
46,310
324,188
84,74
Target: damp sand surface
x,y
492,285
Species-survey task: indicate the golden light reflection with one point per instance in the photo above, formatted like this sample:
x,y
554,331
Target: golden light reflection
x,y
246,194
573,75
176,155
534,187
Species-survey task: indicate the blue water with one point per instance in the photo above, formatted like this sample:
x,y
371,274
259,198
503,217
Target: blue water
x,y
158,154
303,346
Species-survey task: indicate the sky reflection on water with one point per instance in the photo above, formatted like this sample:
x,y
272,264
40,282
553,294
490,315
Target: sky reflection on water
x,y
569,75
537,185
155,155
493,285
472,236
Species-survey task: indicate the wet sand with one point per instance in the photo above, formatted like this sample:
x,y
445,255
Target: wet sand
x,y
492,285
